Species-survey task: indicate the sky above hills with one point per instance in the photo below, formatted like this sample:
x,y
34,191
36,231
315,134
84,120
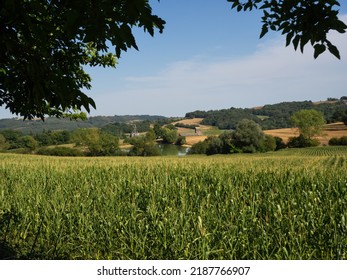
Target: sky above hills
x,y
211,57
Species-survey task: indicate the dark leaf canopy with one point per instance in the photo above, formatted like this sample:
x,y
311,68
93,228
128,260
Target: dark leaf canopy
x,y
45,44
301,21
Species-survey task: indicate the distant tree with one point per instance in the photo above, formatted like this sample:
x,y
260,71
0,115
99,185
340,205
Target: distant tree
x,y
196,114
302,21
189,126
342,141
150,149
150,135
268,144
12,138
199,148
302,142
28,142
342,116
3,144
53,137
181,140
84,136
106,145
171,126
309,122
228,118
143,147
338,115
215,146
169,136
59,151
158,130
279,143
334,141
248,136
228,141
97,142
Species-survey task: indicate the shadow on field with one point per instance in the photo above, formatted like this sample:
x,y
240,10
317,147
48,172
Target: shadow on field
x,y
7,217
6,252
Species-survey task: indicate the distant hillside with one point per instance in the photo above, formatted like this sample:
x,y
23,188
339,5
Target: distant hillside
x,y
273,116
269,116
37,126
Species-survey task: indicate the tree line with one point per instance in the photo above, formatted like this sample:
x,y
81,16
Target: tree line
x,y
271,116
94,141
247,137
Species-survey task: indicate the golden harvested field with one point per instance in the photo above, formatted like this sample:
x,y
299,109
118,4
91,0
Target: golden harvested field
x,y
192,136
191,140
195,121
330,131
284,133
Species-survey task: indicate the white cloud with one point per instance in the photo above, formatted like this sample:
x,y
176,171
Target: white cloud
x,y
272,74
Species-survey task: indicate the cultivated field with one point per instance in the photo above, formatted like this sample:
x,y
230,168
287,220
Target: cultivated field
x,y
283,205
331,130
202,132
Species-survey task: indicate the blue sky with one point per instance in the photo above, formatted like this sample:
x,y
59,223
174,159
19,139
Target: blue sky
x,y
210,57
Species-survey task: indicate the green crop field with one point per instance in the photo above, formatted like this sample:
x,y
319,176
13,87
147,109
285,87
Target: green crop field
x,y
282,205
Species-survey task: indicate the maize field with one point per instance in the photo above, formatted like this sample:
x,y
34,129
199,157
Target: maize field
x,y
281,205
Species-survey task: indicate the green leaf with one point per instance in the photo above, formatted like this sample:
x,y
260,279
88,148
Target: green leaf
x,y
304,40
318,49
248,6
333,50
264,30
236,3
296,41
340,26
289,38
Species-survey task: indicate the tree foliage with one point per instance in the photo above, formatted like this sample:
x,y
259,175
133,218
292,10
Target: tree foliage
x,y
97,142
3,143
335,141
302,142
247,137
309,122
169,136
46,43
301,21
270,116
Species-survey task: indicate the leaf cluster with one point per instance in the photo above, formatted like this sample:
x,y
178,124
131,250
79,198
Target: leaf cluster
x,y
247,137
301,21
309,122
45,45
